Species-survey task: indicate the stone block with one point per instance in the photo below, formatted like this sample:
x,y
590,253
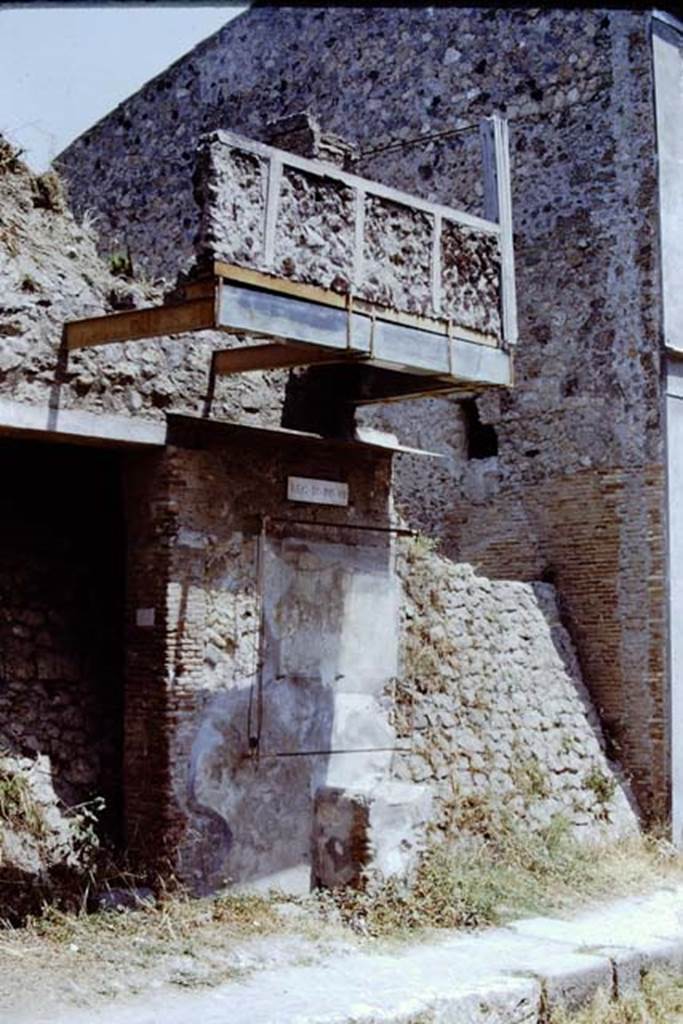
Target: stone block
x,y
362,837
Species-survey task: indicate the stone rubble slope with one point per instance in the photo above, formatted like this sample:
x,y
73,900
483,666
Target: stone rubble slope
x,y
50,272
493,702
513,975
44,847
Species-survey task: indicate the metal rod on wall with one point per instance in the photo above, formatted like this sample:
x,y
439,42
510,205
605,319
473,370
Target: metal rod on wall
x,y
398,530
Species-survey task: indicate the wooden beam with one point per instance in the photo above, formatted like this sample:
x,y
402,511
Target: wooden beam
x,y
436,272
389,386
194,315
258,279
272,203
394,346
273,356
435,391
358,239
376,384
200,288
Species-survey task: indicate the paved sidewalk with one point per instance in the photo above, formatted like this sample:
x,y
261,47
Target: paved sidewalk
x,y
501,976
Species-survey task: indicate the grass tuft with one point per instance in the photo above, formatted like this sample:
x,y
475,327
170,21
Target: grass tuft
x,y
603,786
498,871
660,1001
18,808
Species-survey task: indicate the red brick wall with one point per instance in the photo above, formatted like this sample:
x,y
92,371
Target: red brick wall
x,y
151,527
599,535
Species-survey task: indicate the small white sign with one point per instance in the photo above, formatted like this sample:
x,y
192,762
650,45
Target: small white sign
x,y
144,617
317,492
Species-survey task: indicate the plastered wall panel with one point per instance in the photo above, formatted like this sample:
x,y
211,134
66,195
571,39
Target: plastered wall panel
x,y
668,63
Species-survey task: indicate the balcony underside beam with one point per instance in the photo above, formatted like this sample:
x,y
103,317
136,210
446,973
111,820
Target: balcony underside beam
x,y
274,356
306,325
404,348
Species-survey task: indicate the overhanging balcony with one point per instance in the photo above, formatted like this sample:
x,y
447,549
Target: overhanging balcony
x,y
312,265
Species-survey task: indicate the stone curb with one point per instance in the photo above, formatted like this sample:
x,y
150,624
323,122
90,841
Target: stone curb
x,y
513,975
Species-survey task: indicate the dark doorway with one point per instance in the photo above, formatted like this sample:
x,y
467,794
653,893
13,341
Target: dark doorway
x,y
482,440
62,568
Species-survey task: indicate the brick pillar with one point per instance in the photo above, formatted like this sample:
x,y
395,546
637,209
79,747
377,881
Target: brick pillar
x,y
147,791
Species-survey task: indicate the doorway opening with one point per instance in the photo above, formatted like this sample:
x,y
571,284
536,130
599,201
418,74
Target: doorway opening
x,y
62,566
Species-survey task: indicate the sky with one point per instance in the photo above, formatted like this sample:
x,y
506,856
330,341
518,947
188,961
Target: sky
x,y
64,67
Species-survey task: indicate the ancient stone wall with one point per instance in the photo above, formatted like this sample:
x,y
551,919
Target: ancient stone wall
x,y
314,224
491,700
61,651
583,422
266,668
50,273
207,783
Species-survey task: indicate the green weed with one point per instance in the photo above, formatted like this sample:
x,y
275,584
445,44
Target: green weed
x,y
18,808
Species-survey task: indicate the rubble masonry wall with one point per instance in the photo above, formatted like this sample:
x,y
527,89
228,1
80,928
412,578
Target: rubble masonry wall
x,y
575,493
484,702
491,700
61,652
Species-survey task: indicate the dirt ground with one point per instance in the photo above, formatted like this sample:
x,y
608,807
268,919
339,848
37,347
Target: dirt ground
x,y
65,962
60,961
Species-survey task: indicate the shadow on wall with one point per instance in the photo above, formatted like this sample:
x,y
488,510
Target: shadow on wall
x,y
315,714
550,605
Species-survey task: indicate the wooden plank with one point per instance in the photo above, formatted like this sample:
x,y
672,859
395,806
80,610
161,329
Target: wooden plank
x,y
248,311
273,356
152,322
469,363
506,232
479,364
202,288
440,390
386,385
423,323
488,152
417,351
359,239
436,263
283,285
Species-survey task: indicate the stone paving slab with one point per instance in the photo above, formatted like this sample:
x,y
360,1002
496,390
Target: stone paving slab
x,y
501,976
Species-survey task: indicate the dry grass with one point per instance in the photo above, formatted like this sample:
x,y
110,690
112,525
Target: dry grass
x,y
659,1002
178,941
502,872
169,926
18,808
496,873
